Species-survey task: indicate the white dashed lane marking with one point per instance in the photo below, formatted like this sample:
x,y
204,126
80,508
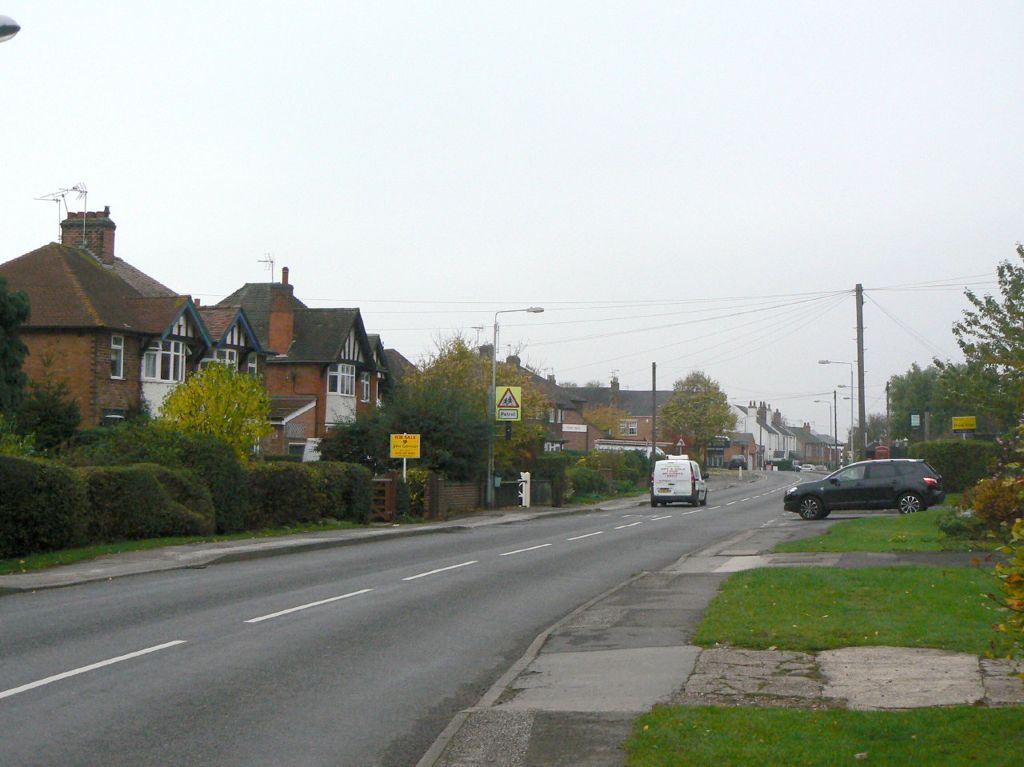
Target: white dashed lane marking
x,y
521,551
440,570
307,606
588,535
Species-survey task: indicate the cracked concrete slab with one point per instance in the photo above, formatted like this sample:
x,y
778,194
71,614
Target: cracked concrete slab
x,y
769,677
498,738
901,677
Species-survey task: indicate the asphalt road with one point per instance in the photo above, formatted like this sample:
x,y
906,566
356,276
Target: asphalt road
x,y
350,656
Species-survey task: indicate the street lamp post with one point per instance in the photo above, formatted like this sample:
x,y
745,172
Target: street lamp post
x,y
831,418
8,28
842,386
489,491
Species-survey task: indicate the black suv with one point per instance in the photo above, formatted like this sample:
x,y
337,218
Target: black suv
x,y
900,483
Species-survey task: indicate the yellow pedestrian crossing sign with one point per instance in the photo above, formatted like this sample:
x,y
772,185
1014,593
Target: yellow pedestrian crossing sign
x,y
508,401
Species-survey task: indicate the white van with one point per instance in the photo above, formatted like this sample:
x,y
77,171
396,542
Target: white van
x,y
677,478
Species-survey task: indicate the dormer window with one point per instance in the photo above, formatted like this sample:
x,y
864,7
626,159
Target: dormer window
x,y
227,357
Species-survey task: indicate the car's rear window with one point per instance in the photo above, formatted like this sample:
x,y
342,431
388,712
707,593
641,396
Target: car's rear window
x,y
882,470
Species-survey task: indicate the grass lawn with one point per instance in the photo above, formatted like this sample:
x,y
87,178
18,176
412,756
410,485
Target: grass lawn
x,y
675,736
822,608
70,556
895,532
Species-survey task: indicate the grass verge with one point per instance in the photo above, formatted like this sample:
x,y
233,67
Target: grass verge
x,y
817,608
896,532
34,562
677,736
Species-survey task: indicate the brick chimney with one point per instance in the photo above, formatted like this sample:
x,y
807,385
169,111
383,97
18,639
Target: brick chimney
x,y
614,398
777,418
92,230
762,413
282,314
514,360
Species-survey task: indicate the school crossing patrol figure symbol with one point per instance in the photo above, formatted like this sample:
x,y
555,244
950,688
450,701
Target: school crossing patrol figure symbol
x,y
509,403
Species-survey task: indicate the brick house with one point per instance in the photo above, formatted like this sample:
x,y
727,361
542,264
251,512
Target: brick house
x,y
567,428
321,367
120,339
636,423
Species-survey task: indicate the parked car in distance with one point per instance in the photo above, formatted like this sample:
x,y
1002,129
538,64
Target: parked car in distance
x,y
737,462
677,478
806,467
905,484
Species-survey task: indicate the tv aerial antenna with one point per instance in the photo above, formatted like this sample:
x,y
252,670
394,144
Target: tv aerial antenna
x,y
60,196
269,261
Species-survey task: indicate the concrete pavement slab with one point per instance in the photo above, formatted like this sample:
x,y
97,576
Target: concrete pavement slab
x,y
560,739
602,680
900,677
1003,683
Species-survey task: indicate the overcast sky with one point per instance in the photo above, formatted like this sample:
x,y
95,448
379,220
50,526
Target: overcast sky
x,y
699,185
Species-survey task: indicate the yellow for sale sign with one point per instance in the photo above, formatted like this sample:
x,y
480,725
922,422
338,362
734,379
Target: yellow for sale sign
x,y
405,445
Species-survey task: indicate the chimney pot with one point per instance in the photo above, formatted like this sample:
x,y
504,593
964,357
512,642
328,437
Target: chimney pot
x,y
284,275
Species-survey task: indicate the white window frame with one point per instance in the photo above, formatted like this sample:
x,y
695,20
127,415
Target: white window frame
x,y
341,379
364,385
117,357
227,357
629,427
164,361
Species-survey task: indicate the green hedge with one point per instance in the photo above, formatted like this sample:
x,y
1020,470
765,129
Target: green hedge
x,y
554,468
358,492
960,462
282,494
145,501
212,460
587,481
42,507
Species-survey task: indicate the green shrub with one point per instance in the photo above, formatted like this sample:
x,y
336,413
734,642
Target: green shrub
x,y
42,507
960,462
283,458
358,492
282,494
132,502
416,487
1011,576
332,477
961,523
554,467
997,501
587,481
212,460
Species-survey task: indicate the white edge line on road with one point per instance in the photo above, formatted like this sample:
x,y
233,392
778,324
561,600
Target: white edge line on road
x,y
631,524
655,519
730,503
90,667
695,511
744,499
714,507
588,535
307,606
440,570
520,551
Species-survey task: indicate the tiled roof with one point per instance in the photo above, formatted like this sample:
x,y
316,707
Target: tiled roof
x,y
398,364
142,282
69,288
283,407
320,334
633,402
219,321
256,298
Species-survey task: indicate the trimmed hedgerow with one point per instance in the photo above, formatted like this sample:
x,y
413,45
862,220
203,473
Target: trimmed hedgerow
x,y
138,501
282,494
960,462
42,506
554,467
358,492
212,460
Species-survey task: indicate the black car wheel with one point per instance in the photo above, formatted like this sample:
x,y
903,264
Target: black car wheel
x,y
811,508
908,503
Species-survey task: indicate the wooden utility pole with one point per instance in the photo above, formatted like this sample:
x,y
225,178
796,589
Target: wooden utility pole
x,y
654,414
863,432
